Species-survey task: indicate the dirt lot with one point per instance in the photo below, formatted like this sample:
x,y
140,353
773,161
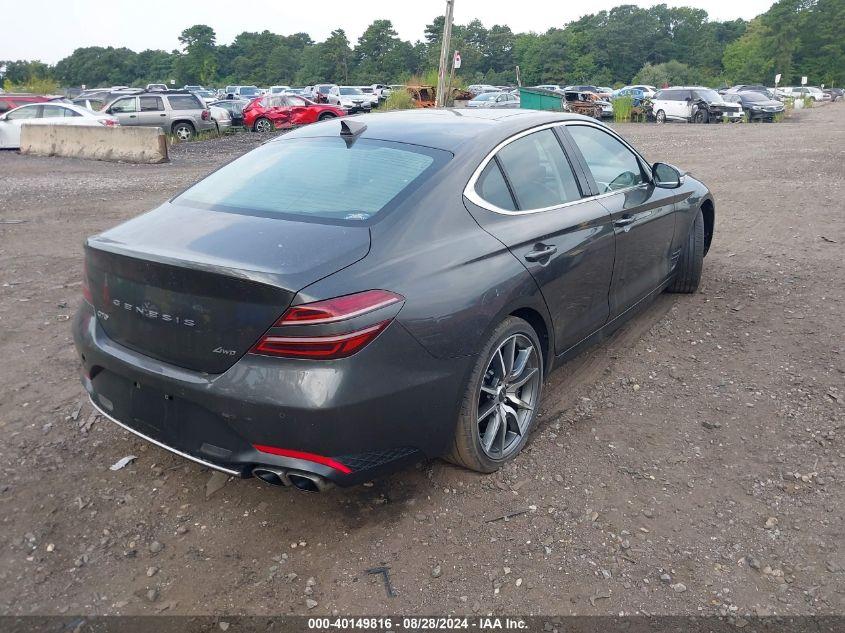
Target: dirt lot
x,y
693,464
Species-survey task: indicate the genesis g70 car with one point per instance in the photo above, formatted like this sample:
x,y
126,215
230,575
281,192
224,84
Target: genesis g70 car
x,y
363,293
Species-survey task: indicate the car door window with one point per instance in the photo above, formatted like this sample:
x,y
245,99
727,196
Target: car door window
x,y
612,165
492,188
151,104
538,172
26,112
124,105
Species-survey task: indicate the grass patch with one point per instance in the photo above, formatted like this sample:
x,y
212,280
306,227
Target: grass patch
x,y
622,108
399,100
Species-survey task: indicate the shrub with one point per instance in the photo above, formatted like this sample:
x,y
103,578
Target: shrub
x,y
399,100
622,109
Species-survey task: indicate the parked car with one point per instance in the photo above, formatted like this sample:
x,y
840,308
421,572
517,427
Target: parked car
x,y
602,93
584,103
313,299
221,117
12,100
277,90
835,93
321,93
371,94
637,95
235,107
550,87
56,113
694,104
756,105
350,98
648,91
193,88
478,89
177,112
804,92
156,88
493,100
382,90
284,111
750,88
242,92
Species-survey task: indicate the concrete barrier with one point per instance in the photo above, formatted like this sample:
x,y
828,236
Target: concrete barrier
x,y
128,144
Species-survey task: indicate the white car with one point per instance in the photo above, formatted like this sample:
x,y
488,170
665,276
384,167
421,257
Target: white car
x,y
351,98
278,90
371,93
222,117
694,104
801,92
50,113
478,89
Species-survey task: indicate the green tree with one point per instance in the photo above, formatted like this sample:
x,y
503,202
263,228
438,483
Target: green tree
x,y
198,62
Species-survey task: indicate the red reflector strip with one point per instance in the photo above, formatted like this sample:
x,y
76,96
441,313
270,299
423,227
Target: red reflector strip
x,y
309,457
318,347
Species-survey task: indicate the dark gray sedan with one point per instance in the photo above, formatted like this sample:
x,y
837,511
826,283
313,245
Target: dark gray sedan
x,y
360,294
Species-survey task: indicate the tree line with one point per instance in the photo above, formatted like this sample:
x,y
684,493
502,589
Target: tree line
x,y
657,45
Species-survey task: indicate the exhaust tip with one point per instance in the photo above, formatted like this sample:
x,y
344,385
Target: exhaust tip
x,y
272,477
301,482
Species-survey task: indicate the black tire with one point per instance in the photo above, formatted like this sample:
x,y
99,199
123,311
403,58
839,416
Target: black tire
x,y
325,116
699,117
660,116
467,450
263,125
691,260
183,130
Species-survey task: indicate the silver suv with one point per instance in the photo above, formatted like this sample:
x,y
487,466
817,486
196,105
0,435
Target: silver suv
x,y
177,112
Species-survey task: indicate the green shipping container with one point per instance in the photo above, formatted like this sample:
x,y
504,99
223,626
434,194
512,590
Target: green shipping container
x,y
534,99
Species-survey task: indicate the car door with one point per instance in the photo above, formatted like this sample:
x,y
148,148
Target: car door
x,y
126,110
151,111
529,196
642,215
10,126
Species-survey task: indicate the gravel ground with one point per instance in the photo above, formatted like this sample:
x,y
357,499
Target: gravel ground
x,y
692,464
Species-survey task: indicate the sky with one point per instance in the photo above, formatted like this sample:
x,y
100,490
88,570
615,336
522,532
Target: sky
x,y
50,30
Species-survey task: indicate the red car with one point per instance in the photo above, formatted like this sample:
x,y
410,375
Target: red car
x,y
283,111
9,101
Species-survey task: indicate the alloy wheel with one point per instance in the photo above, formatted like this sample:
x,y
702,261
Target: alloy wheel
x,y
183,132
508,396
263,126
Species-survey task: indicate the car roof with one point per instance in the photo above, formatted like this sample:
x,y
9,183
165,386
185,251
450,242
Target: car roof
x,y
450,129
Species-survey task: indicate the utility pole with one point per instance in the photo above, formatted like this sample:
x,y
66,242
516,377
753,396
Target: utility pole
x,y
440,97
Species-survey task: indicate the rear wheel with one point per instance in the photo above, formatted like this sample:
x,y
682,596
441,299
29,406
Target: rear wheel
x,y
183,130
501,400
660,116
691,261
263,125
325,116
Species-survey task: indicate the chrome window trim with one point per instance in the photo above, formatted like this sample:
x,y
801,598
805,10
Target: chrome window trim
x,y
472,195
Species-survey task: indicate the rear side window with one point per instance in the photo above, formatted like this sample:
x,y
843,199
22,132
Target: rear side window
x,y
151,104
538,171
317,178
612,165
26,112
53,111
491,186
185,102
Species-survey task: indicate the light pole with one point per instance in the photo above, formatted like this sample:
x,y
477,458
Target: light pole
x,y
440,96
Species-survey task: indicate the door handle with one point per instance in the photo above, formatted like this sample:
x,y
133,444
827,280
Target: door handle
x,y
131,116
542,251
625,220
163,114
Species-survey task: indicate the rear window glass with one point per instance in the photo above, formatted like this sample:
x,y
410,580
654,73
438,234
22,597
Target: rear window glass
x,y
317,178
185,102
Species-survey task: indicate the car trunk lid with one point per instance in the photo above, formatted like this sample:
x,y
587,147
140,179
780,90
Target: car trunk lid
x,y
197,288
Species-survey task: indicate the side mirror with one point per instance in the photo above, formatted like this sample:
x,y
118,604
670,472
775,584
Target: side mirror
x,y
666,176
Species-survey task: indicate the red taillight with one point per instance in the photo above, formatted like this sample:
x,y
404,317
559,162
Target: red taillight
x,y
205,115
318,347
310,457
328,346
109,122
339,308
86,286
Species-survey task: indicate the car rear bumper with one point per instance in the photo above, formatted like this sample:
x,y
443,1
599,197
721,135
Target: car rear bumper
x,y
389,405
